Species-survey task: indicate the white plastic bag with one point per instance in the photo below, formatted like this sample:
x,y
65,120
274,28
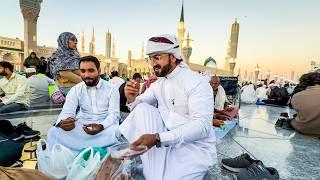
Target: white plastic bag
x,y
82,169
54,163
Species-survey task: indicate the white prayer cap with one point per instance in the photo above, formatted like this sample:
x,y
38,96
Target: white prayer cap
x,y
30,70
164,43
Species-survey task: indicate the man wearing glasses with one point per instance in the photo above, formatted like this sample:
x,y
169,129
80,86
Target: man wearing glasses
x,y
177,132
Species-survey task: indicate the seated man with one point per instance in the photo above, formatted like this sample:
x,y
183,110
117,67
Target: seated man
x,y
277,96
248,94
221,109
39,87
14,90
115,79
123,100
306,103
97,121
261,92
178,132
124,111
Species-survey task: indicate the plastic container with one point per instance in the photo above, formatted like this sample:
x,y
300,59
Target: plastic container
x,y
123,151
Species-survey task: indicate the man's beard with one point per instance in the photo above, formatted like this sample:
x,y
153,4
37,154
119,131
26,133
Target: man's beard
x,y
3,74
162,72
94,81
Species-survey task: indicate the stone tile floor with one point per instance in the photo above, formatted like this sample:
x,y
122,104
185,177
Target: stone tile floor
x,y
294,155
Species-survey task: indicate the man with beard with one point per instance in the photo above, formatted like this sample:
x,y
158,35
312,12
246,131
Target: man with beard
x,y
97,121
178,131
222,110
14,89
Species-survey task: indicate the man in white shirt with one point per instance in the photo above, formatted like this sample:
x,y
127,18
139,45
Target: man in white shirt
x,y
39,87
116,80
14,89
221,109
97,121
177,132
261,92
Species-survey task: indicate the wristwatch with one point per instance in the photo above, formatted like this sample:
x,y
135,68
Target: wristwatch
x,y
158,142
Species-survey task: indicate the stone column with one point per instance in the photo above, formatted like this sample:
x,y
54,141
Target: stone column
x,y
30,10
256,73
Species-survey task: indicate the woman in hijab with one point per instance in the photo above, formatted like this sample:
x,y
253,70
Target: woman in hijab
x,y
32,61
64,63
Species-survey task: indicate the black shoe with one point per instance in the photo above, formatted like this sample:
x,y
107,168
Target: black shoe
x,y
16,136
284,114
27,131
279,122
238,163
257,171
282,118
287,124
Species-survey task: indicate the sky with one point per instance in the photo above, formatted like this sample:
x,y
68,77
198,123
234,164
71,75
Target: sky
x,y
279,35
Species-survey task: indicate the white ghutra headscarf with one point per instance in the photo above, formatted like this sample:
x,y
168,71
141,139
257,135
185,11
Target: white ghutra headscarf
x,y
165,43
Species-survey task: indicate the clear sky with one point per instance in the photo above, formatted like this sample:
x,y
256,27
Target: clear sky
x,y
280,35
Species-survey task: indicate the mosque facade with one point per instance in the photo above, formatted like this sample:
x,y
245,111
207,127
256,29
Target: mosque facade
x,y
16,50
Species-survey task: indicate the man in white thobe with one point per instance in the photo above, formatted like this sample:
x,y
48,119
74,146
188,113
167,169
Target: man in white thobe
x,y
116,80
97,121
177,132
221,108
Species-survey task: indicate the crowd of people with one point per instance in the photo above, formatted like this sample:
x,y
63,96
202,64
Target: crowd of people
x,y
303,97
172,113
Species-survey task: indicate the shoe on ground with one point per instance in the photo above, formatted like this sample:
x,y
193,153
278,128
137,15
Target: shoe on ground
x,y
287,124
284,114
16,136
279,122
257,171
27,131
238,163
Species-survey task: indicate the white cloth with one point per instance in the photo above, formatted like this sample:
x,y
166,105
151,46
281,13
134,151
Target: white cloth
x,y
290,89
261,93
39,89
160,47
98,104
220,99
183,121
116,81
248,94
31,70
16,90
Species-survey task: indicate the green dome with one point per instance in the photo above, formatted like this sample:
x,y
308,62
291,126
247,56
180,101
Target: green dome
x,y
210,61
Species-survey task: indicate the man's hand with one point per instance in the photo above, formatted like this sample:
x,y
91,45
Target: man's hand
x,y
68,124
217,122
148,140
131,90
93,129
229,108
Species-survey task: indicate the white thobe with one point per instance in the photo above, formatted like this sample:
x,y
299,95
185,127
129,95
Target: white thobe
x,y
116,81
220,99
183,120
261,93
248,94
98,104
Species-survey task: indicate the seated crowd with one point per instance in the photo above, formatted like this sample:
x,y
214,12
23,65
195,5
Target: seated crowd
x,y
303,98
172,114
